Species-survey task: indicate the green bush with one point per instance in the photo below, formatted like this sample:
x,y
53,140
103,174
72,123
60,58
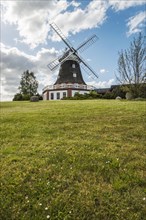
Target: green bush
x,y
78,96
18,97
137,90
118,91
109,95
21,97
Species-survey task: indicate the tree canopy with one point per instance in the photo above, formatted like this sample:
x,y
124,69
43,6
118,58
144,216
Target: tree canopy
x,y
28,83
28,86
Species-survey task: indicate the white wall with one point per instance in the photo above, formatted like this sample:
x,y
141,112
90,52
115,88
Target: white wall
x,y
45,96
61,94
55,94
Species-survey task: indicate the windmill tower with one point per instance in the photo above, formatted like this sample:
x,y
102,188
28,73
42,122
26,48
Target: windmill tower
x,y
69,80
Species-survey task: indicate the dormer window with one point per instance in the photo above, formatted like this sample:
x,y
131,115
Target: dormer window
x,y
73,66
74,75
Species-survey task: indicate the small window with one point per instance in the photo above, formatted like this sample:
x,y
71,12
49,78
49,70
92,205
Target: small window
x,y
64,94
73,65
58,95
74,75
52,95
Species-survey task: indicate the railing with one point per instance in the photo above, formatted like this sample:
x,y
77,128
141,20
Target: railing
x,y
67,86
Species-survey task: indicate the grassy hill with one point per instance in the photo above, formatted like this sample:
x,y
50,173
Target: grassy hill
x,y
73,160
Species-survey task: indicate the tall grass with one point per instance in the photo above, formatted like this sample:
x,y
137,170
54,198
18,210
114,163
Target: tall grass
x,y
73,160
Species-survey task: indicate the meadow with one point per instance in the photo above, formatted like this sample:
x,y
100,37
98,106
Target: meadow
x,y
73,160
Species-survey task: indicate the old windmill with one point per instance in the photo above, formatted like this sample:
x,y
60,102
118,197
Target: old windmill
x,y
70,78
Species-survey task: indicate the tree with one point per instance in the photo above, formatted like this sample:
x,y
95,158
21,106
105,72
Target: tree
x,y
28,87
28,84
131,66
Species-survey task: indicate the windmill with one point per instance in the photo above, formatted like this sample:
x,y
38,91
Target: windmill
x,y
70,78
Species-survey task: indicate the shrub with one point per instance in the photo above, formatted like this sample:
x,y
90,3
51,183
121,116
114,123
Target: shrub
x,y
25,97
109,95
119,91
18,97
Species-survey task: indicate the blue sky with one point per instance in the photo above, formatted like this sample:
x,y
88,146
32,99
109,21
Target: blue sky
x,y
27,42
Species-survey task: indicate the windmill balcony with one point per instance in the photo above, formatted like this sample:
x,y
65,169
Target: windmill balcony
x,y
67,86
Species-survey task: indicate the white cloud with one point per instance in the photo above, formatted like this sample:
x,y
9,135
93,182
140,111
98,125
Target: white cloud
x,y
103,71
32,18
75,4
136,23
92,16
102,84
14,62
124,4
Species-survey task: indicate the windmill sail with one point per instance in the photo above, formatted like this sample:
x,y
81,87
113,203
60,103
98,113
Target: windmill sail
x,y
61,35
54,64
71,53
87,43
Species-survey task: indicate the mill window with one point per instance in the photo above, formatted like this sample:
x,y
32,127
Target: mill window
x,y
74,75
52,95
58,95
64,94
73,65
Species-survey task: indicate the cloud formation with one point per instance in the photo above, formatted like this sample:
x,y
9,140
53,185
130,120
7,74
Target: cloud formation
x,y
82,19
136,23
122,4
103,71
36,15
102,84
14,61
31,16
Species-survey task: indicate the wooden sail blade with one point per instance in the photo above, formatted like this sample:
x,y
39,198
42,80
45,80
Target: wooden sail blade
x,y
87,43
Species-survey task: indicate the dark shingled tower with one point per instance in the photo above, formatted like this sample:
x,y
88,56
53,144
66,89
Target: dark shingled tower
x,y
70,72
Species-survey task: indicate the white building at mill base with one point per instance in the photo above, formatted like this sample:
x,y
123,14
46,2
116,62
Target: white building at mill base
x,y
69,82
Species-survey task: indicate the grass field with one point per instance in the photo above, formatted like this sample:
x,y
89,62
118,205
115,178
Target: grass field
x,y
73,160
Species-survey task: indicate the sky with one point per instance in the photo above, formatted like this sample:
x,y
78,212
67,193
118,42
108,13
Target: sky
x,y
28,42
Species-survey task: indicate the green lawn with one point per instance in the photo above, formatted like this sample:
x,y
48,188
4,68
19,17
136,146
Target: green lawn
x,y
73,160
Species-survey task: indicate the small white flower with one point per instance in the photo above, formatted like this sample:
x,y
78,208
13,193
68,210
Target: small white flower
x,y
40,204
26,197
27,200
46,208
144,199
108,161
69,212
48,216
